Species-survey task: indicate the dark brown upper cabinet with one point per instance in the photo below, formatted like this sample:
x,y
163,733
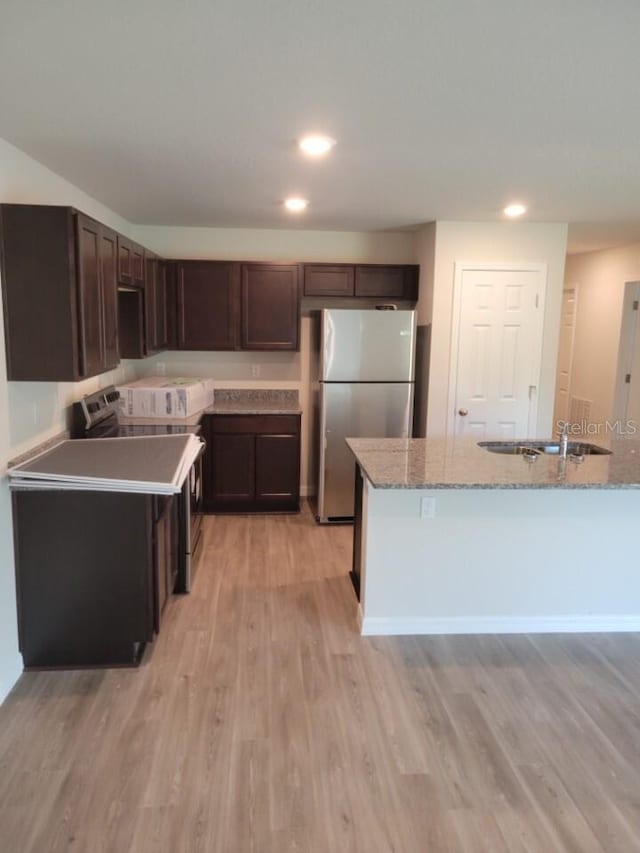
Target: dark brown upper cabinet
x,y
131,263
143,312
59,275
162,305
328,280
386,282
155,291
109,262
208,305
229,306
374,281
125,262
137,265
270,307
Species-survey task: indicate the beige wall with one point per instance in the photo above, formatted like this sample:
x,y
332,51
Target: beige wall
x,y
246,244
38,410
599,278
493,242
425,248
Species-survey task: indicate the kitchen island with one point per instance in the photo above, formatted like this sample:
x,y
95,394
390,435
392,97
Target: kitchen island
x,y
450,538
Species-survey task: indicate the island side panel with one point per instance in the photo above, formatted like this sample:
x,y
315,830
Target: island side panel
x,y
500,561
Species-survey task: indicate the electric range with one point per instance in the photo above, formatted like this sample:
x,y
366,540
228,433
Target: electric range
x,y
97,416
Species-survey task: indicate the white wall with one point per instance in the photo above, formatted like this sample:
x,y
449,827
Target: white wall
x,y
31,412
492,241
599,278
281,369
500,561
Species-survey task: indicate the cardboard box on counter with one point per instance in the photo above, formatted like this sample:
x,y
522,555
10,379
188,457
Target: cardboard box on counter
x,y
162,397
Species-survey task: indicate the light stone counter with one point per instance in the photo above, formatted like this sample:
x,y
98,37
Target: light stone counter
x,y
232,401
249,401
440,463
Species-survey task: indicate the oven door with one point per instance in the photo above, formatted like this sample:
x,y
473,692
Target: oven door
x,y
191,505
196,503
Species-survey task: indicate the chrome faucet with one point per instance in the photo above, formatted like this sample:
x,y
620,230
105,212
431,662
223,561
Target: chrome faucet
x,y
564,439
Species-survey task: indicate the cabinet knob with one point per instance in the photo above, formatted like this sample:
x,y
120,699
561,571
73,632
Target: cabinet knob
x,y
463,412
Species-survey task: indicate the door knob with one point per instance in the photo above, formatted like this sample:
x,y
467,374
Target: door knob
x,y
463,412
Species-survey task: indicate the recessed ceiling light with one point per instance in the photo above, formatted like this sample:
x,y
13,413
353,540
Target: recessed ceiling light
x,y
315,145
296,205
514,210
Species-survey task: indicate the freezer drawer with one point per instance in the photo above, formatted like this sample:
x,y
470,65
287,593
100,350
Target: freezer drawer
x,y
367,346
355,410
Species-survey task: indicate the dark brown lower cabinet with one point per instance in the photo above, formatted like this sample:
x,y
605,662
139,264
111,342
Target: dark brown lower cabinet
x,y
93,572
252,463
165,554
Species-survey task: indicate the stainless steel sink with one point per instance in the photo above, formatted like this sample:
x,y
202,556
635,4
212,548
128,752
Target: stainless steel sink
x,y
574,448
513,448
536,448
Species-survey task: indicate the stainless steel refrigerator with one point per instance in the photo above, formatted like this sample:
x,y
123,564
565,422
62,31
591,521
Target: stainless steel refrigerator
x,y
366,372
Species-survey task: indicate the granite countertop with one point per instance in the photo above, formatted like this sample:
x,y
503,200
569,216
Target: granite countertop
x,y
254,402
232,401
441,463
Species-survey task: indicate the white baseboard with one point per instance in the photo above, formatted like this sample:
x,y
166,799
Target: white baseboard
x,y
377,626
9,678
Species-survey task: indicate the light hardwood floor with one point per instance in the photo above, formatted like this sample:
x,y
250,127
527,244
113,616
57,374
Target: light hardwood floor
x,y
262,721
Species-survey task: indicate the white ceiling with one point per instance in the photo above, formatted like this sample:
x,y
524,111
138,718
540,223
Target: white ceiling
x,y
186,113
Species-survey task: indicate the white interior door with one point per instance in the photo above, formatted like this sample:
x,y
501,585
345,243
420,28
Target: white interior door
x,y
498,344
565,355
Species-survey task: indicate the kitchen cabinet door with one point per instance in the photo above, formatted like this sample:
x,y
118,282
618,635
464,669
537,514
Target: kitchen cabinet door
x,y
165,555
270,307
328,280
207,295
150,300
386,282
90,313
125,270
85,579
278,470
233,470
155,292
161,318
109,296
137,265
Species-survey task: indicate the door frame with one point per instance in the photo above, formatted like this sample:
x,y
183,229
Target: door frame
x,y
626,348
460,267
571,288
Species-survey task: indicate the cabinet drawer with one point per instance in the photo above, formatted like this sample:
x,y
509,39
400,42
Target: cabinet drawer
x,y
328,280
255,424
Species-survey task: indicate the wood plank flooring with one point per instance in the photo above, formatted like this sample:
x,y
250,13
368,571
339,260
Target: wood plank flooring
x,y
261,721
